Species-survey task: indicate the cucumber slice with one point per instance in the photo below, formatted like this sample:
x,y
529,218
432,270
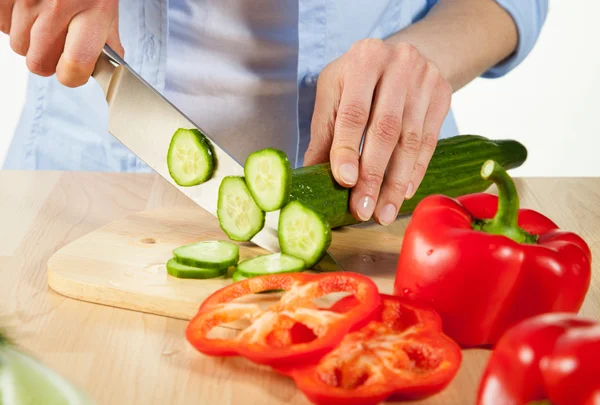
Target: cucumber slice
x,y
270,264
237,276
303,233
215,254
239,216
179,270
190,158
268,174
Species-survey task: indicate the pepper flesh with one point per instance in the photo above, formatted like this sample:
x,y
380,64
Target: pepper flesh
x,y
400,354
482,283
549,357
270,337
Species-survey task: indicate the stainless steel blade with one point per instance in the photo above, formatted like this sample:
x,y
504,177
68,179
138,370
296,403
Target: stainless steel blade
x,y
144,122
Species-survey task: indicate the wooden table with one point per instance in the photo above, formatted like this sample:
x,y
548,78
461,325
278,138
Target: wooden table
x,y
126,357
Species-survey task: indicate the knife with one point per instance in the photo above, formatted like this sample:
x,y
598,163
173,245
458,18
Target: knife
x,y
144,122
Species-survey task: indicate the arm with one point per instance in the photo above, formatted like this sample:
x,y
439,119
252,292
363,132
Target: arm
x,y
398,93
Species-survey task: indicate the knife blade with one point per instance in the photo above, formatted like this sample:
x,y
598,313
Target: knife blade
x,y
144,121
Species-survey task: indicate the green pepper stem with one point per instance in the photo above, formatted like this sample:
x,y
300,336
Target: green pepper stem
x,y
506,220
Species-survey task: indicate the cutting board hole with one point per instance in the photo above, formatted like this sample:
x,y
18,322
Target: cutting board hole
x,y
148,241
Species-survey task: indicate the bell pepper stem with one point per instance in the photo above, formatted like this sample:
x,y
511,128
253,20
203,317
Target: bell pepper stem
x,y
505,222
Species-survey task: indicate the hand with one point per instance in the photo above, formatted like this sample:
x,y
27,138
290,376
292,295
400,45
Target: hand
x,y
63,37
398,100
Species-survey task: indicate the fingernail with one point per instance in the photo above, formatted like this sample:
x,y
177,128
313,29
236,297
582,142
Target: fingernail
x,y
348,173
410,191
365,208
387,215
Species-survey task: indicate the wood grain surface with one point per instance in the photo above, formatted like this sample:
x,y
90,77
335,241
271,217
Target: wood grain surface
x,y
122,264
128,357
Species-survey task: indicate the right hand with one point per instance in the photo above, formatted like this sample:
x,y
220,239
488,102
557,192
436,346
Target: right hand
x,y
65,37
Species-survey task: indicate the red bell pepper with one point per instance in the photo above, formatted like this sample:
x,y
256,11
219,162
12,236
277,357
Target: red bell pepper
x,y
272,336
552,358
484,264
400,354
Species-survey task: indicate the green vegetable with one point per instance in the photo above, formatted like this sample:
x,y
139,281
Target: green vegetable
x,y
303,233
239,216
215,254
268,174
237,276
179,270
454,170
270,264
190,159
26,381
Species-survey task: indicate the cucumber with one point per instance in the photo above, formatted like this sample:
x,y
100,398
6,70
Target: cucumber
x,y
179,270
239,216
270,264
454,170
191,158
237,276
24,380
268,174
208,255
303,233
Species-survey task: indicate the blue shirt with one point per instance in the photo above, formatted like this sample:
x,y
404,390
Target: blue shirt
x,y
245,72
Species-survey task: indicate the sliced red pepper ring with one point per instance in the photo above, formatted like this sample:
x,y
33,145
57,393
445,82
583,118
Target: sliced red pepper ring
x,y
401,354
270,337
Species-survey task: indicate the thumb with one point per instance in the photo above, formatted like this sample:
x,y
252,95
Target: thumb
x,y
114,40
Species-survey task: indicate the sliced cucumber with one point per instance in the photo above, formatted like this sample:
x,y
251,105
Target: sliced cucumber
x,y
303,233
268,174
179,270
270,264
190,158
237,276
217,254
239,216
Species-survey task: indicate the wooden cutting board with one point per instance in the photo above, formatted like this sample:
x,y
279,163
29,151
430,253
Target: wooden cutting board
x,y
122,264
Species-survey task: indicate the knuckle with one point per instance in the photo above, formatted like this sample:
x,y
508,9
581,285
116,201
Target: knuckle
x,y
371,176
410,141
39,67
29,3
387,128
397,186
18,46
407,51
419,170
353,115
343,149
429,142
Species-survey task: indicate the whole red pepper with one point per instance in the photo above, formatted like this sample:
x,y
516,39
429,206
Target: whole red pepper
x,y
484,264
551,358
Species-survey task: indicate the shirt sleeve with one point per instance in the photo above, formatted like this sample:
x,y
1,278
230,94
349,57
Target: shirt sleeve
x,y
529,17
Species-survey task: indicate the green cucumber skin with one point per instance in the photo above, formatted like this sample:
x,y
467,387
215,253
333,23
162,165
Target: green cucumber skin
x,y
288,179
178,270
454,170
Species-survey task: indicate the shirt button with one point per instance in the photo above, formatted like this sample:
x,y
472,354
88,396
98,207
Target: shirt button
x,y
310,80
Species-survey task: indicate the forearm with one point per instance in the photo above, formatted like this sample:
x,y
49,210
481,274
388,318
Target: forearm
x,y
464,38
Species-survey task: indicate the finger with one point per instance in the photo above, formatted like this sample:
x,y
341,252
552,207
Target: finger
x,y
434,119
114,39
400,168
351,120
6,10
322,125
86,37
383,131
22,20
48,36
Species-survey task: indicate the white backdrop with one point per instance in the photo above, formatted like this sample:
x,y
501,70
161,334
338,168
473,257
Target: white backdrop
x,y
550,102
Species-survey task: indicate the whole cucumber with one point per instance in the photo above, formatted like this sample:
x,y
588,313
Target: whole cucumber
x,y
453,171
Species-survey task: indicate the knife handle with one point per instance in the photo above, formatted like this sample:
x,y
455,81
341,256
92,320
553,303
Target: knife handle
x,y
108,61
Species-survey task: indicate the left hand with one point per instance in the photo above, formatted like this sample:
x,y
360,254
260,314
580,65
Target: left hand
x,y
395,97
